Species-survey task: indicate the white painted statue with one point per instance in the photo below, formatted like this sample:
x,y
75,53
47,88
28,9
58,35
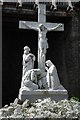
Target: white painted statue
x,y
52,76
30,80
28,60
54,6
42,83
42,41
36,83
43,46
33,79
70,7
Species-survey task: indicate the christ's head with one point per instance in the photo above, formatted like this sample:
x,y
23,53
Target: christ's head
x,y
42,27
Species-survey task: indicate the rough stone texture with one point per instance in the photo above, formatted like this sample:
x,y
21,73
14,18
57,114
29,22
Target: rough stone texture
x,y
39,119
25,104
46,108
41,94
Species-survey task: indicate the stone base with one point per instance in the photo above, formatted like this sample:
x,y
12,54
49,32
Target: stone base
x,y
41,94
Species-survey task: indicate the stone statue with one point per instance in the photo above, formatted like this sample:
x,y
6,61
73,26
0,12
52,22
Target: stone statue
x,y
54,6
30,80
42,40
43,45
28,60
70,7
42,83
52,76
35,83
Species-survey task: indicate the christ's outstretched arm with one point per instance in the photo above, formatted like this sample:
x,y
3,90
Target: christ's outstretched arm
x,y
55,28
30,26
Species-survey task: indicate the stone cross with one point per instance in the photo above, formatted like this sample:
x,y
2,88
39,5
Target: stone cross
x,y
42,27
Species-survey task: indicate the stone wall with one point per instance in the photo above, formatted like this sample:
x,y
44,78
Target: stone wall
x,y
79,47
65,53
72,54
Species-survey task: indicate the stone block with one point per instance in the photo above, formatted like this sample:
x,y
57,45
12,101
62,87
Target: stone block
x,y
41,94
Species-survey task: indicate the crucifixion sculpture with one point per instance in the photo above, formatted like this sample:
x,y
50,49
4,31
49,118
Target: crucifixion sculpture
x,y
42,27
36,81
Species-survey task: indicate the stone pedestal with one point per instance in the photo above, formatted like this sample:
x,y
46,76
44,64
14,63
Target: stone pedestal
x,y
41,94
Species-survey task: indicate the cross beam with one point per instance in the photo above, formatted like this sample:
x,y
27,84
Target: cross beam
x,y
34,25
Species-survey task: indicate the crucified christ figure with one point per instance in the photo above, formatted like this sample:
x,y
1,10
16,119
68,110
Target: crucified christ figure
x,y
42,41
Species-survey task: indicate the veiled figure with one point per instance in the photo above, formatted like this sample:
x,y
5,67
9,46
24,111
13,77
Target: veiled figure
x,y
52,76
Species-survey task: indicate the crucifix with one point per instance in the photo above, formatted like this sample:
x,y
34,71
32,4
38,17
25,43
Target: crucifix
x,y
42,27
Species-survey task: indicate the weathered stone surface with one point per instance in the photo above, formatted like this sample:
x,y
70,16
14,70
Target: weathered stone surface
x,y
18,110
41,94
15,101
6,106
46,108
62,118
26,103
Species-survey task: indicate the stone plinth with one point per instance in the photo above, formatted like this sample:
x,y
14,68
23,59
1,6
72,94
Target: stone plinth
x,y
41,94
